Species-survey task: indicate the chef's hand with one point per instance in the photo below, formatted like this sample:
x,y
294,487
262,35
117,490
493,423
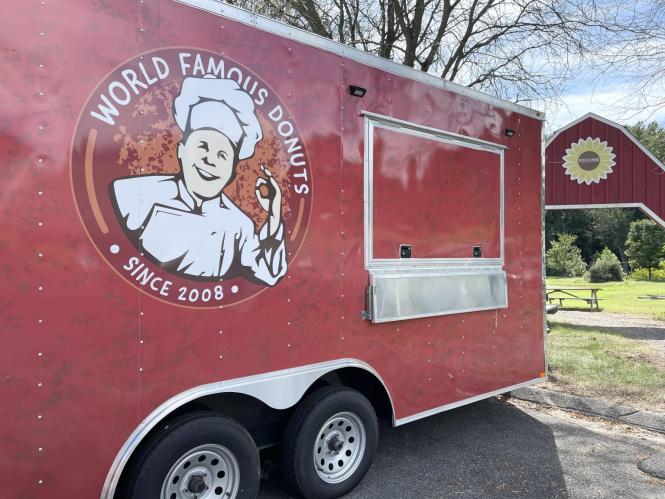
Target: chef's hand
x,y
272,201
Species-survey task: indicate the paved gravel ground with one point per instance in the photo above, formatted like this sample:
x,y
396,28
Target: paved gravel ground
x,y
494,449
637,327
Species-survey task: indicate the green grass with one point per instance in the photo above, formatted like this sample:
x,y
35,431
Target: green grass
x,y
621,297
599,363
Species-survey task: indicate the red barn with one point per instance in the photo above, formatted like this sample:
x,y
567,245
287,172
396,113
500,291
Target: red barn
x,y
596,163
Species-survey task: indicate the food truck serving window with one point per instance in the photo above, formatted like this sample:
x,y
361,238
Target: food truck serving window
x,y
433,208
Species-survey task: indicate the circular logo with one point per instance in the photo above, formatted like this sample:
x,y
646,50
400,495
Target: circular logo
x,y
588,161
191,178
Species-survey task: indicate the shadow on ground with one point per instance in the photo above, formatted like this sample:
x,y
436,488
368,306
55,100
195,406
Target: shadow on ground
x,y
629,332
488,449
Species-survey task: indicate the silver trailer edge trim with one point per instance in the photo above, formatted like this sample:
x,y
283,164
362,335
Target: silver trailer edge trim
x,y
543,271
307,38
470,400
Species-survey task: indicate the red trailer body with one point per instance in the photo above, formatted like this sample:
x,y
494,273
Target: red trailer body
x,y
406,249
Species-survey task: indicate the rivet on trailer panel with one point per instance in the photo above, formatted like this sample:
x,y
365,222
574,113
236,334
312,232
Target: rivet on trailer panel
x,y
42,33
40,384
40,482
221,332
342,317
221,357
40,354
40,449
140,369
40,224
342,338
41,66
40,193
288,323
40,255
141,342
39,416
39,321
40,288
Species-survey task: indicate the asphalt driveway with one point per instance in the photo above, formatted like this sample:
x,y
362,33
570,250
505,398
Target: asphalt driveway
x,y
497,449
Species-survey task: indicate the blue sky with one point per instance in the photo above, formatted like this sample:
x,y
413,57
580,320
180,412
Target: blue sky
x,y
616,98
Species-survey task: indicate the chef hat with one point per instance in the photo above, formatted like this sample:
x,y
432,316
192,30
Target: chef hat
x,y
220,104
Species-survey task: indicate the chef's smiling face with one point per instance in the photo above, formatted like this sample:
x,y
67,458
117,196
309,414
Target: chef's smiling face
x,y
207,160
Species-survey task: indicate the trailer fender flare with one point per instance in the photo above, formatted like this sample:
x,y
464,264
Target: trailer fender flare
x,y
277,389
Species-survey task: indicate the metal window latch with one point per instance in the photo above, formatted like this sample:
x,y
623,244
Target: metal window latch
x,y
405,251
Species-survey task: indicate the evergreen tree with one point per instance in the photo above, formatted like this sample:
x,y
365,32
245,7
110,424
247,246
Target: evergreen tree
x,y
645,245
564,258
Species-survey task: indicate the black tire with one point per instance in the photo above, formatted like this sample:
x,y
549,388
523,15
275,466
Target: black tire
x,y
181,437
302,432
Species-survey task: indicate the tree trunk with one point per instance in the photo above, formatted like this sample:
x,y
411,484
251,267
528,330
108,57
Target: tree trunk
x,y
624,262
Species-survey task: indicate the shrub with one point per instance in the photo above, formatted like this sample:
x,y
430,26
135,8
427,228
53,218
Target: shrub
x,y
606,268
642,274
564,258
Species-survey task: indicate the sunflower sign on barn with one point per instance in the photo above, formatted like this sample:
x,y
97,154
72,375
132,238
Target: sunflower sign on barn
x,y
589,160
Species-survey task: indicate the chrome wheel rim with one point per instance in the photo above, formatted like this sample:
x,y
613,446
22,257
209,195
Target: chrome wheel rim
x,y
205,472
339,447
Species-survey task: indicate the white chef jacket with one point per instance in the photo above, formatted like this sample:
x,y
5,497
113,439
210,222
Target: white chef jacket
x,y
213,241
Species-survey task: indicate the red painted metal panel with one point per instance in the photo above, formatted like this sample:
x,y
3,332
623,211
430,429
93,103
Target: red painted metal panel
x,y
635,178
458,189
87,352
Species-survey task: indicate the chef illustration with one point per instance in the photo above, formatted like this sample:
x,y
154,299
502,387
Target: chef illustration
x,y
185,221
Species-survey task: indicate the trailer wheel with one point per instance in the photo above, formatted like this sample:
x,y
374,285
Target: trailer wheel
x,y
330,442
200,456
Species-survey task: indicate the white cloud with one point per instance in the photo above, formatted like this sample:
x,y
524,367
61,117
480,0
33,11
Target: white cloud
x,y
619,102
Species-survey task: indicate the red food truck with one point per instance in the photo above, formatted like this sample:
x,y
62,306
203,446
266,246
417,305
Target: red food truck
x,y
220,233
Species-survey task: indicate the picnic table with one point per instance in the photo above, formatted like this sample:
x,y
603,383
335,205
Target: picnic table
x,y
562,294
